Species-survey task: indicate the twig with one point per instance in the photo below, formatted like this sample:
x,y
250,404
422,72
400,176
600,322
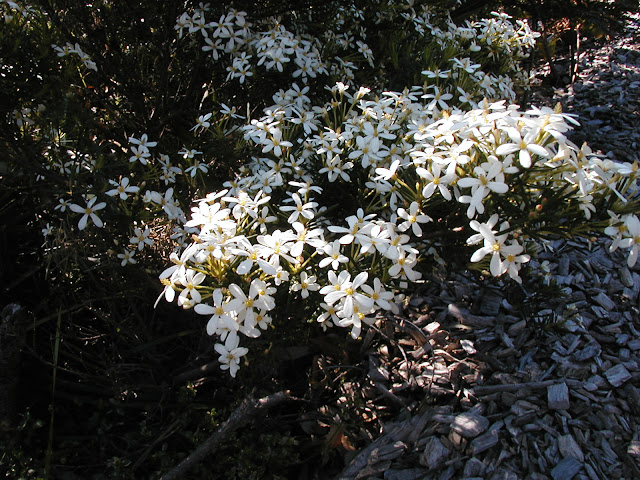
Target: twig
x,y
238,418
196,373
514,387
167,433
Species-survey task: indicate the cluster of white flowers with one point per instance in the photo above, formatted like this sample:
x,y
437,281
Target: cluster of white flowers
x,y
71,49
270,44
625,232
246,48
230,244
407,158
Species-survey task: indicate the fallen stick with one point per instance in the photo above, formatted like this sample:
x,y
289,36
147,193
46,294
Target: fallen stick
x,y
238,418
514,387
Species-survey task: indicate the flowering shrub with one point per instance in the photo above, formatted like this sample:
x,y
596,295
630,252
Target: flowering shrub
x,y
336,213
345,194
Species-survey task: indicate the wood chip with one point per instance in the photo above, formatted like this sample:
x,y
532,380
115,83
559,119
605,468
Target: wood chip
x,y
634,449
604,301
465,318
484,442
435,454
470,425
625,277
566,469
617,375
589,351
558,396
474,468
490,303
568,447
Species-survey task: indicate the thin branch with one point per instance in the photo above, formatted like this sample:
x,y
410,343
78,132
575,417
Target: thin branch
x,y
238,418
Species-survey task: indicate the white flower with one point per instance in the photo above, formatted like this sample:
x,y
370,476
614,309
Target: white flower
x,y
219,312
275,143
355,222
378,294
617,229
403,266
489,177
493,245
412,219
335,168
202,121
276,246
280,276
190,280
513,260
632,239
329,313
89,212
307,284
437,98
334,257
525,147
63,203
122,188
245,306
437,181
140,153
197,166
143,141
349,297
127,257
230,354
304,236
373,238
306,210
141,237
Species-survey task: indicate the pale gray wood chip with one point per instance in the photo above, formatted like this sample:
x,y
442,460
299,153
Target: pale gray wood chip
x,y
604,301
566,469
467,346
563,265
490,303
558,396
634,344
484,442
617,375
470,425
625,277
474,468
370,470
386,452
568,447
589,351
